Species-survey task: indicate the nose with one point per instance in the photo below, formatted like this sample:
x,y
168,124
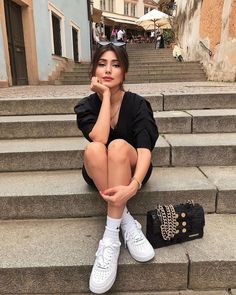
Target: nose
x,y
108,68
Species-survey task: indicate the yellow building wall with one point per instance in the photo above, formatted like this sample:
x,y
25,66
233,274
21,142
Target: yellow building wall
x,y
29,39
212,22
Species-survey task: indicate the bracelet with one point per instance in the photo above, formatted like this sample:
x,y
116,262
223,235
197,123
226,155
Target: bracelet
x,y
139,183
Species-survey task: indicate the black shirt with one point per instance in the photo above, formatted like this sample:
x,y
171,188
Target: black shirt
x,y
135,123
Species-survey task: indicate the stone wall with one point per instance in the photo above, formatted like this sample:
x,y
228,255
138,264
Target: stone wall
x,y
214,23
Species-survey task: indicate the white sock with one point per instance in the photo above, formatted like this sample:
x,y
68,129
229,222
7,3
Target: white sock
x,y
112,228
126,217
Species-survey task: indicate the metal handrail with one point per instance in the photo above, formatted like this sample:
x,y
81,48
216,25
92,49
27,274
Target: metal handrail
x,y
207,49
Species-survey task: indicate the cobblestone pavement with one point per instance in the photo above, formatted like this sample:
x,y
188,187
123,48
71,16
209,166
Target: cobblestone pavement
x,y
147,88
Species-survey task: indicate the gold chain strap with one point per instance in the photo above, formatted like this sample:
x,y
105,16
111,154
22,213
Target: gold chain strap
x,y
168,221
167,216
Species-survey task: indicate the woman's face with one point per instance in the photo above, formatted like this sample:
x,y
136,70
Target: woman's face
x,y
109,70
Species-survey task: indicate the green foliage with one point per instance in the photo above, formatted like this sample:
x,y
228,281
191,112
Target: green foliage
x,y
169,36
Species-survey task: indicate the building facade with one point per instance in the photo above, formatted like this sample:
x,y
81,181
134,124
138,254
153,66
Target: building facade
x,y
38,38
206,30
123,12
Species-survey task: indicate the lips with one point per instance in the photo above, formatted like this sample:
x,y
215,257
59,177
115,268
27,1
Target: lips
x,y
107,78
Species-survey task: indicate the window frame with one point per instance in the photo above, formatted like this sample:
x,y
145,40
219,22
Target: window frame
x,y
77,28
53,10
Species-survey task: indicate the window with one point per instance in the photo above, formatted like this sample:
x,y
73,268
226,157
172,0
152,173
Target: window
x,y
110,5
133,6
145,9
56,34
57,29
126,8
103,4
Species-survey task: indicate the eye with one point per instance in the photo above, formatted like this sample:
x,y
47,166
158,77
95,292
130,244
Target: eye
x,y
116,65
101,64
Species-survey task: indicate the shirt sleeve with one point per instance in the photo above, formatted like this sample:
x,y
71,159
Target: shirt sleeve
x,y
86,116
144,126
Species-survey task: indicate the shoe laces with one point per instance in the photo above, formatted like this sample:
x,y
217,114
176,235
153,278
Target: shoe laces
x,y
105,253
134,233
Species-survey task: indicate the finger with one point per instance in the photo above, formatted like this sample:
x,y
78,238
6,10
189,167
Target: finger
x,y
105,197
110,191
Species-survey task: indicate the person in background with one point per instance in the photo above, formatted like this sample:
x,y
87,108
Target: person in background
x,y
177,52
103,37
120,35
152,36
96,33
114,34
122,132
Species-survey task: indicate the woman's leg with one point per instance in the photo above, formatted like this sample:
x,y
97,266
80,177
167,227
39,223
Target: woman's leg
x,y
95,162
122,159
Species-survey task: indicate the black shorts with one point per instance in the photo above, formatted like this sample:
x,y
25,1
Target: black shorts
x,y
90,181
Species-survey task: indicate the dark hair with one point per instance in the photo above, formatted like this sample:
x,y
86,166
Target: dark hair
x,y
120,53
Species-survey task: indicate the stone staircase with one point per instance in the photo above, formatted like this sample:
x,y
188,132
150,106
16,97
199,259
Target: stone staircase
x,y
51,220
147,65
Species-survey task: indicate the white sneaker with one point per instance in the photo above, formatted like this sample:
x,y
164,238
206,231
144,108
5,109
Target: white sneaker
x,y
139,247
105,266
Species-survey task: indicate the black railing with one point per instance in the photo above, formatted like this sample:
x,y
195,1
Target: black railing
x,y
204,47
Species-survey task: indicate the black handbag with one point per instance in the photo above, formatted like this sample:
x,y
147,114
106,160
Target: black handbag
x,y
172,224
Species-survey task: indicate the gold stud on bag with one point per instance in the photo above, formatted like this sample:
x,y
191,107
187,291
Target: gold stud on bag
x,y
172,224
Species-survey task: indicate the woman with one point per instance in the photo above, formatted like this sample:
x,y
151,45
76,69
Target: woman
x,y
122,134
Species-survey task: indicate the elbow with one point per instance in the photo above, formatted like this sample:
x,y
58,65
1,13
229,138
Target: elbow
x,y
95,138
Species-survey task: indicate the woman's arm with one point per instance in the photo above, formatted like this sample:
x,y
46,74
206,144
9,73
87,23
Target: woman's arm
x,y
101,129
143,163
120,194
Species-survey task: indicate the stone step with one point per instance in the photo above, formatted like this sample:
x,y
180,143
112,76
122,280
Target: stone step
x,y
145,69
190,121
56,256
161,63
187,101
136,73
55,153
166,101
202,149
54,105
67,153
139,78
142,80
65,194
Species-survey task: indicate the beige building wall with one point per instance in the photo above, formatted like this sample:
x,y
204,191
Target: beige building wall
x,y
214,23
29,39
118,5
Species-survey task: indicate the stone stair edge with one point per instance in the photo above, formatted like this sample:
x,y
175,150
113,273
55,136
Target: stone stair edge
x,y
160,93
67,152
68,250
66,194
64,125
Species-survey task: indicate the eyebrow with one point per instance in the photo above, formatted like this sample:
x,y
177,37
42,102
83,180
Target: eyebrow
x,y
113,60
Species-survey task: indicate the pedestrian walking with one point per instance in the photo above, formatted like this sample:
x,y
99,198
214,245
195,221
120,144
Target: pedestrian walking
x,y
177,52
114,34
96,33
122,132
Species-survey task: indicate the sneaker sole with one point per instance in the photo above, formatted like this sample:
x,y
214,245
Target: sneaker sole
x,y
143,259
103,289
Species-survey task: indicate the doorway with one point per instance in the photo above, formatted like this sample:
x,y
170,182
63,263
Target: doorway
x,y
75,44
16,43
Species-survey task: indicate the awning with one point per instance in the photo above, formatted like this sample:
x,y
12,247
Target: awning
x,y
97,15
120,20
115,19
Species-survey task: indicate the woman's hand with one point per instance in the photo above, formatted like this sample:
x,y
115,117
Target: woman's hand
x,y
119,195
98,87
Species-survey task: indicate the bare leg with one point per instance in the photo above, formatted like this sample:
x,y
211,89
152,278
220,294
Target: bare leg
x,y
95,162
122,158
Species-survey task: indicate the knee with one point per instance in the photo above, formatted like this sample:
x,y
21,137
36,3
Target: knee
x,y
118,151
95,150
